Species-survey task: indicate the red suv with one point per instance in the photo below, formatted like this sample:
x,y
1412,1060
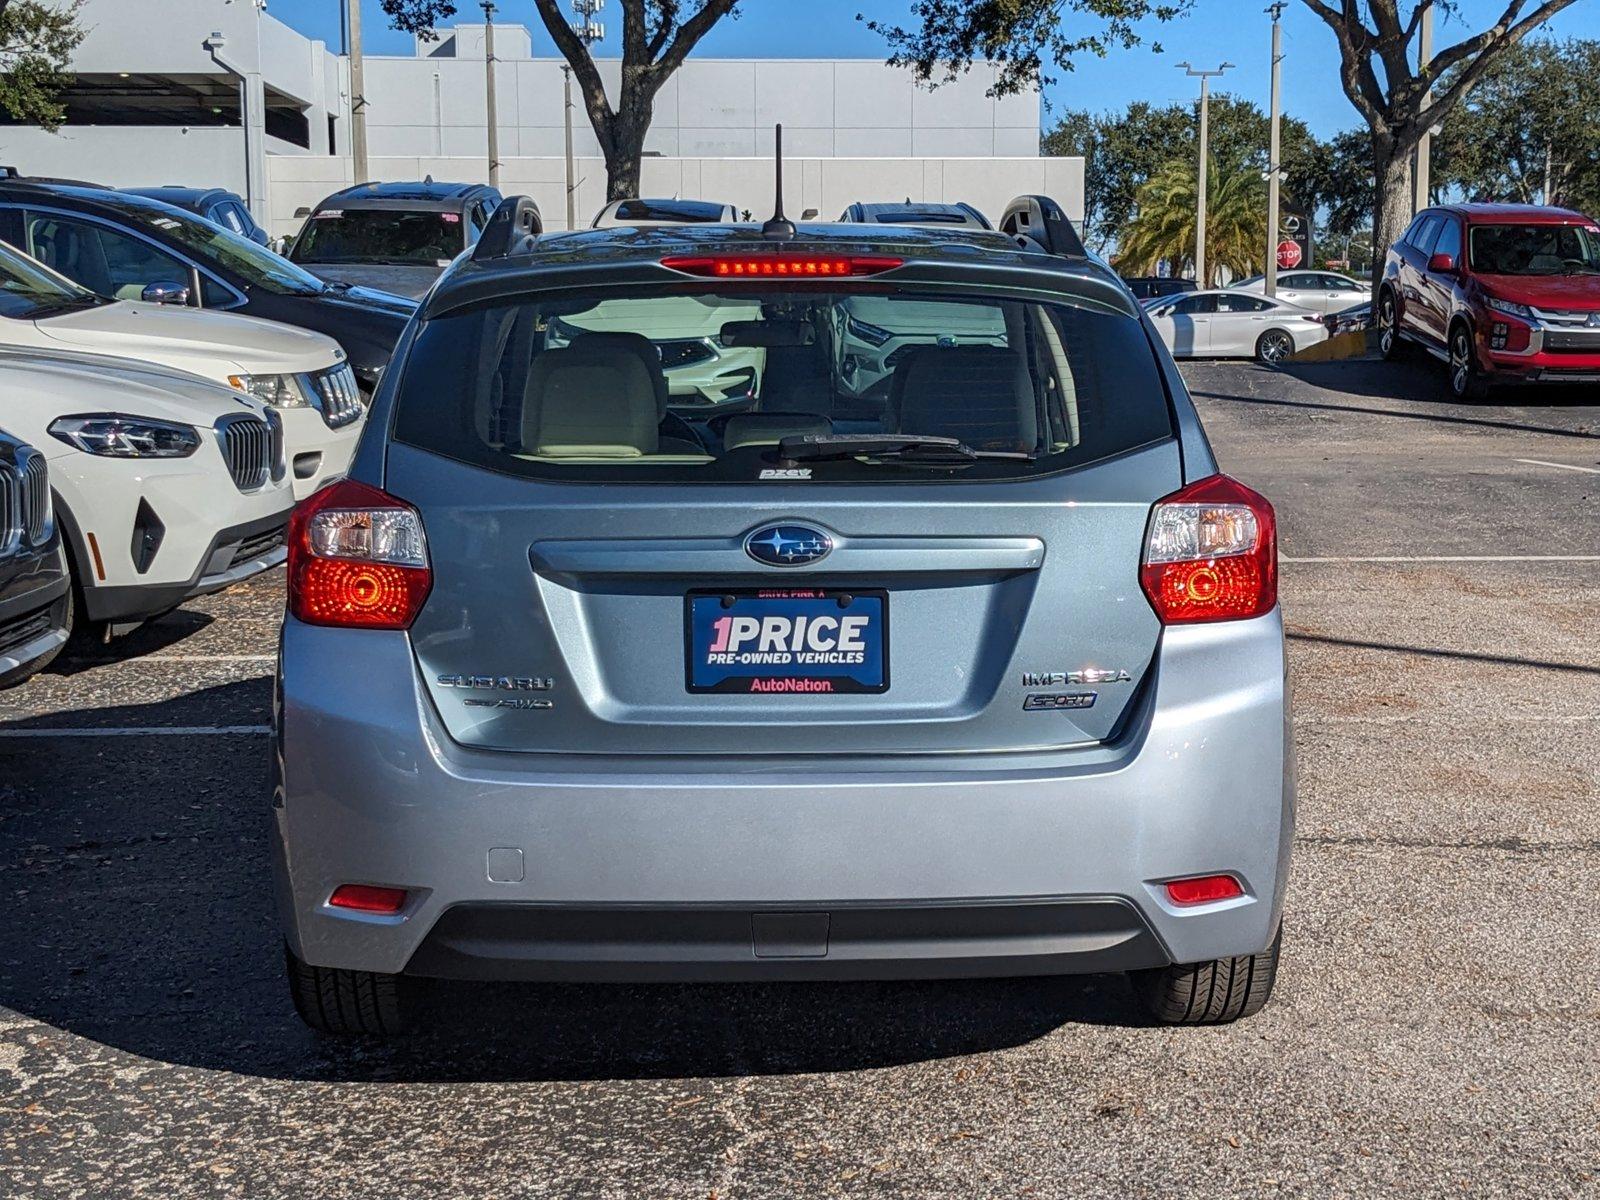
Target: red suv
x,y
1502,292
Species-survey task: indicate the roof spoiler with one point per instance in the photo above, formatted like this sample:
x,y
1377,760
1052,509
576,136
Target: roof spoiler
x,y
1040,220
513,229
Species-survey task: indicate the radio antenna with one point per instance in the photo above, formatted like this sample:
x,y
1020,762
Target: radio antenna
x,y
779,227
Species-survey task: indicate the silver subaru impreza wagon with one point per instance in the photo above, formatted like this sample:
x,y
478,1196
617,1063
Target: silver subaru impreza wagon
x,y
929,643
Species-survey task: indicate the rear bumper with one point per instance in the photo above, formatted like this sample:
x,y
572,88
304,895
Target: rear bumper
x,y
545,866
738,943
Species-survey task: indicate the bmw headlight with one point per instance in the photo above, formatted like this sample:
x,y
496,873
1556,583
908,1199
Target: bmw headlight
x,y
280,391
113,435
1511,307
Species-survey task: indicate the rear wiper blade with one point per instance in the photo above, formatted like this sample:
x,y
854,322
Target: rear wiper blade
x,y
906,447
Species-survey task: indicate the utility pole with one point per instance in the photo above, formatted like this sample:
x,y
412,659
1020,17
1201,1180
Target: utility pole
x,y
488,85
572,184
1274,169
1205,78
1547,165
1425,143
358,98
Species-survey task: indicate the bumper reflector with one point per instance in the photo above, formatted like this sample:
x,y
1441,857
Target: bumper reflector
x,y
359,897
1205,889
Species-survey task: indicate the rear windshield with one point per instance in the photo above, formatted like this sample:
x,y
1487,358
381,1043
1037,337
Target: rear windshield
x,y
380,236
686,211
1535,249
698,383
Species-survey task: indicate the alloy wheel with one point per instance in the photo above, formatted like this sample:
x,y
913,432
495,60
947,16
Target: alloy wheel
x,y
1275,346
1460,363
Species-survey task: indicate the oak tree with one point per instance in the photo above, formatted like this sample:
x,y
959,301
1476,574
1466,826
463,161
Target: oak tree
x,y
657,35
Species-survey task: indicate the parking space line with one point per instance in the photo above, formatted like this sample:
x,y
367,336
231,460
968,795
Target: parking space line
x,y
1444,558
183,658
1539,462
138,731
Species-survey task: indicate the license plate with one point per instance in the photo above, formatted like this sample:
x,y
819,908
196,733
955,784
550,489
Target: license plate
x,y
788,641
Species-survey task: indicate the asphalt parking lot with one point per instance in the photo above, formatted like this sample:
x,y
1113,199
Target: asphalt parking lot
x,y
1436,1028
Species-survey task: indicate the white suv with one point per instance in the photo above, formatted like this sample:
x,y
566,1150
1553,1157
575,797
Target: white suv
x,y
303,375
167,486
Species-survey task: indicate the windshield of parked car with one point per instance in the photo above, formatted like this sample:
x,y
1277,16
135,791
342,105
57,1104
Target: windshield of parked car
x,y
703,384
389,236
29,290
256,265
1535,249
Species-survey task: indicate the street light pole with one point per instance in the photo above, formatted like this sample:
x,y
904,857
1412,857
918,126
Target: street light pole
x,y
489,97
1425,143
1274,170
358,99
572,186
1205,78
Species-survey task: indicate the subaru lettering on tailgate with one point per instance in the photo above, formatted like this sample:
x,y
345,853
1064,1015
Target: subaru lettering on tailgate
x,y
788,640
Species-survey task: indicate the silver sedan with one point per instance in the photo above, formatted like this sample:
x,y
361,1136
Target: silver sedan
x,y
1229,324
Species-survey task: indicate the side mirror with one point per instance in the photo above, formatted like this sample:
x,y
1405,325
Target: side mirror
x,y
810,214
301,213
165,291
1442,264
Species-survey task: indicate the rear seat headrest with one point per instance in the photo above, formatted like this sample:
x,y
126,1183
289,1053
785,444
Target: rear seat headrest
x,y
980,394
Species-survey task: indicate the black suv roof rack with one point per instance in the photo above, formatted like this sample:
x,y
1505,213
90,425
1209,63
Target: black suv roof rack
x,y
1042,222
513,229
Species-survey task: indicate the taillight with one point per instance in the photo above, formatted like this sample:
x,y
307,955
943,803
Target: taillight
x,y
775,265
1204,889
357,557
1211,554
360,897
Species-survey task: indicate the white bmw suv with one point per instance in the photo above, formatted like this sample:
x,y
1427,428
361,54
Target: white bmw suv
x,y
301,374
166,485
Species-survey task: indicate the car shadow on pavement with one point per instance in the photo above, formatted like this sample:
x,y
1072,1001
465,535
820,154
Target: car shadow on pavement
x,y
135,875
1408,384
154,637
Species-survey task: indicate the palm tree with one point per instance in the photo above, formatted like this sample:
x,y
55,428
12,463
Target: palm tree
x,y
1236,220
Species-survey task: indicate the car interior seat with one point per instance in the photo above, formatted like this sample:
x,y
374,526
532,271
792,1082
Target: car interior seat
x,y
980,395
589,402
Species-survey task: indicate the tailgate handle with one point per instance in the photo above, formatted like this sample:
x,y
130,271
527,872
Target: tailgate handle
x,y
862,557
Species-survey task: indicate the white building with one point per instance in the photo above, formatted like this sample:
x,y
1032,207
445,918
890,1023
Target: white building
x,y
218,92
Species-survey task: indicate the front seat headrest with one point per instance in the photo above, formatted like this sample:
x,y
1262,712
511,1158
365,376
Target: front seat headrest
x,y
589,402
638,346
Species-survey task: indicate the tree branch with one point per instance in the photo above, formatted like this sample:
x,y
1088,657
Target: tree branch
x,y
690,33
583,69
633,32
1501,30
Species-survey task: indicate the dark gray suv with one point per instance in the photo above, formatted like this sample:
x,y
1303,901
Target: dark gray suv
x,y
977,672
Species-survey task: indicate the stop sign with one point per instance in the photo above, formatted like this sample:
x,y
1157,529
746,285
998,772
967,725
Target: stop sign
x,y
1288,254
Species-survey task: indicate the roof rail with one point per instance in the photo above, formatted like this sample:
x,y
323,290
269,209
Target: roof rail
x,y
1041,220
513,229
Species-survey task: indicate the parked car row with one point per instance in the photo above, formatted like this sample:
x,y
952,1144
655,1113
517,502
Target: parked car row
x,y
169,388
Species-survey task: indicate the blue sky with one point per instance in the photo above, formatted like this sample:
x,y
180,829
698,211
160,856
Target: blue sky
x,y
1217,30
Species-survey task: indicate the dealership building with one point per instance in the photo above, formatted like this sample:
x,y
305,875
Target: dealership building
x,y
220,93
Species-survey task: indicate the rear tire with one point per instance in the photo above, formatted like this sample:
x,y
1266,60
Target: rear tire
x,y
337,1001
1390,343
1467,382
1210,993
1273,347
